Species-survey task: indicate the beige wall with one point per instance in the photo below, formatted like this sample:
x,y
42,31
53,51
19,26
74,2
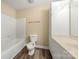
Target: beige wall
x,y
39,14
8,10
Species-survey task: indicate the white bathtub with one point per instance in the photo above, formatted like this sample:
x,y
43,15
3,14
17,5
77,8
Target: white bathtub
x,y
62,47
10,47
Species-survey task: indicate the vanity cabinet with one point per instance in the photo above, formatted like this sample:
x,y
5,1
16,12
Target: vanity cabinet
x,y
57,51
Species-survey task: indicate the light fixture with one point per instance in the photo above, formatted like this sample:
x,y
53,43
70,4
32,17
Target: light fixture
x,y
30,1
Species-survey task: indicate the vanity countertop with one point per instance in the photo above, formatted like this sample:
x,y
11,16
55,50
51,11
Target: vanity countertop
x,y
68,43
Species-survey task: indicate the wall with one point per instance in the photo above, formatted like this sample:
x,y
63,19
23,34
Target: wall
x,y
21,28
39,14
8,10
60,18
64,20
74,18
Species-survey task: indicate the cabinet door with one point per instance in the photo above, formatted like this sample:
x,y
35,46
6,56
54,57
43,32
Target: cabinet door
x,y
60,18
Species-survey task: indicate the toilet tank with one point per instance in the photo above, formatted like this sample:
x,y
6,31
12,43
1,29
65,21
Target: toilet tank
x,y
33,37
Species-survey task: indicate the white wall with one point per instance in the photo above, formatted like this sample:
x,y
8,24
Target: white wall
x,y
20,28
10,45
60,18
74,18
64,18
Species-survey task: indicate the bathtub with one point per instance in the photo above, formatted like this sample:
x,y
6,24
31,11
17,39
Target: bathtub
x,y
10,47
63,47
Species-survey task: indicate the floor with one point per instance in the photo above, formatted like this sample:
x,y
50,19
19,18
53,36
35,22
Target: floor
x,y
39,54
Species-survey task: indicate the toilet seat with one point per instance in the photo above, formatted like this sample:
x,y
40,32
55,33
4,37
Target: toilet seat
x,y
30,45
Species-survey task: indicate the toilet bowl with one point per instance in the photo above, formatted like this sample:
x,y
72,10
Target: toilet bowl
x,y
31,48
31,44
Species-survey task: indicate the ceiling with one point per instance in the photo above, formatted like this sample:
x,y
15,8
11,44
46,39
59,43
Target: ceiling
x,y
21,4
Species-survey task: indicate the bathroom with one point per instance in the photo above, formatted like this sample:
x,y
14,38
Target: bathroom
x,y
39,29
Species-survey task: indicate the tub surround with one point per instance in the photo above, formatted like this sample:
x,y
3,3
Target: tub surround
x,y
10,45
63,24
68,43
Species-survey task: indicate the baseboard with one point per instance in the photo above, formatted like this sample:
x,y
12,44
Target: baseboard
x,y
44,47
11,52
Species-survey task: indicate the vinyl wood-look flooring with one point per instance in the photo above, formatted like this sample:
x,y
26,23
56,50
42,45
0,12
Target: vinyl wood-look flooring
x,y
39,54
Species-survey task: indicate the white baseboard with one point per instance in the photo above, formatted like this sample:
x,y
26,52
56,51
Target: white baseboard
x,y
11,52
44,47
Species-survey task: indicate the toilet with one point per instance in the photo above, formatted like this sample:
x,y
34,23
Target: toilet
x,y
31,44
